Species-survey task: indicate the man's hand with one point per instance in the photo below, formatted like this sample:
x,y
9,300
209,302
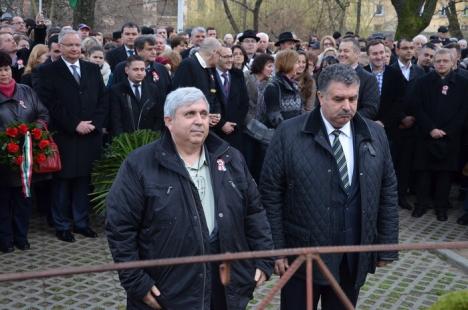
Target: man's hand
x,y
281,265
85,127
437,133
214,119
228,127
150,300
383,263
407,122
260,277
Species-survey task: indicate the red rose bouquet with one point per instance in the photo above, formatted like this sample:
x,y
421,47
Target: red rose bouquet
x,y
12,142
24,147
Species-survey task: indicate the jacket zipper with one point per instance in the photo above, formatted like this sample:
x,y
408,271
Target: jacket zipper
x,y
141,112
235,188
202,245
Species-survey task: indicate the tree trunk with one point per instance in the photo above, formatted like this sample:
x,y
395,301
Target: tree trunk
x,y
413,16
256,14
84,13
454,24
231,19
244,15
358,17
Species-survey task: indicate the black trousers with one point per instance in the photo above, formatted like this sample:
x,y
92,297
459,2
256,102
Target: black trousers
x,y
402,153
218,295
70,206
15,212
293,294
442,182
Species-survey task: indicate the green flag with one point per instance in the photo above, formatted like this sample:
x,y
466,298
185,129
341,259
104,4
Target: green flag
x,y
73,3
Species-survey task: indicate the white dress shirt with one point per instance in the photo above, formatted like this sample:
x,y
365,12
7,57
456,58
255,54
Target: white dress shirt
x,y
346,140
69,64
405,69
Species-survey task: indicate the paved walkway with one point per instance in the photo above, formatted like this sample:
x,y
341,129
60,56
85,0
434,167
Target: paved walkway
x,y
414,282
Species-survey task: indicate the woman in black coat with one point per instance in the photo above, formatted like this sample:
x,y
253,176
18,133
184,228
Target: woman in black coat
x,y
282,97
18,103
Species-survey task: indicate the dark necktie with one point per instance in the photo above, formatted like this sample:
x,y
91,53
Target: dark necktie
x,y
137,91
340,159
225,75
76,75
130,53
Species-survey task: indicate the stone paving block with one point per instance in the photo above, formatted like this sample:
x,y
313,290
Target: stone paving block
x,y
413,282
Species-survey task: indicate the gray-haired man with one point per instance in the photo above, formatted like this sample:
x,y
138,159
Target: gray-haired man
x,y
187,194
328,179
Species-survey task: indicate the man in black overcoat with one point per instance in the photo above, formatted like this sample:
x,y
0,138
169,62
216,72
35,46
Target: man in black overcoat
x,y
403,142
328,179
441,114
199,71
73,91
135,103
129,32
156,73
235,100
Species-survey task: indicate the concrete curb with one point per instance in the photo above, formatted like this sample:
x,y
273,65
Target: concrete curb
x,y
455,259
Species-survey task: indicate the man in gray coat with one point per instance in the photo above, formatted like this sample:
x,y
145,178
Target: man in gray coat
x,y
328,179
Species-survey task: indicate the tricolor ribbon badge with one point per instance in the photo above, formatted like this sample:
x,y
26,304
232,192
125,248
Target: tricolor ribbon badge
x,y
26,165
221,166
445,89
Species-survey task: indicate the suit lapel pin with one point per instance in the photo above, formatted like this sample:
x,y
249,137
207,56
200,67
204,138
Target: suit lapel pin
x,y
21,103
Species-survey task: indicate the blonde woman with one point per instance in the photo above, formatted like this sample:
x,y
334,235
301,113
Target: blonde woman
x,y
39,55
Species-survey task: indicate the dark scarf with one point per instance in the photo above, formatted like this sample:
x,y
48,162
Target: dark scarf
x,y
8,89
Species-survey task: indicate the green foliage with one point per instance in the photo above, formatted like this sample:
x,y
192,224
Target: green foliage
x,y
105,170
452,301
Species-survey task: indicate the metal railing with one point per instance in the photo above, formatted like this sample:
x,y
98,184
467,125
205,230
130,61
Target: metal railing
x,y
308,255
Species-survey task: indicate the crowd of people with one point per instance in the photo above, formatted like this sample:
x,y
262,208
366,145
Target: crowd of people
x,y
389,118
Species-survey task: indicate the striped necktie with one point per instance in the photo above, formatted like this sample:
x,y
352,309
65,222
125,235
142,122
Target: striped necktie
x,y
340,159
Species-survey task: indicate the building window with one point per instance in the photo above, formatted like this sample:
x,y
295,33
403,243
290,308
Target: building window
x,y
465,11
443,11
379,10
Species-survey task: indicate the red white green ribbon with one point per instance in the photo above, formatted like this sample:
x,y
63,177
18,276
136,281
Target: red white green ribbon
x,y
26,165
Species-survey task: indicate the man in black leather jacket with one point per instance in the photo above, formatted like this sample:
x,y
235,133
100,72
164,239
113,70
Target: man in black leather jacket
x,y
187,194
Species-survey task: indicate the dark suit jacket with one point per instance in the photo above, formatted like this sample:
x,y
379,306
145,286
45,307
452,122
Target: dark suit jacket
x,y
186,53
128,114
115,56
234,107
407,107
368,101
69,103
155,73
390,98
191,74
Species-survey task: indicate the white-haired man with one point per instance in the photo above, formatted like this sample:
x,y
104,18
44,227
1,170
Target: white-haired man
x,y
73,92
187,194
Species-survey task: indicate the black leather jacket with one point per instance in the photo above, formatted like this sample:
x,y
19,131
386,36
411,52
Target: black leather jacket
x,y
154,211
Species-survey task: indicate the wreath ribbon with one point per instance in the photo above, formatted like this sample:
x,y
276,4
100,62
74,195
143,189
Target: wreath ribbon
x,y
26,165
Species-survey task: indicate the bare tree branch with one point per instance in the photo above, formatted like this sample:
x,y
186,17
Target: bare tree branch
x,y
231,19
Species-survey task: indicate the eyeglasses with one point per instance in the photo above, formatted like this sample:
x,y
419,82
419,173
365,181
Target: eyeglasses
x,y
225,56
